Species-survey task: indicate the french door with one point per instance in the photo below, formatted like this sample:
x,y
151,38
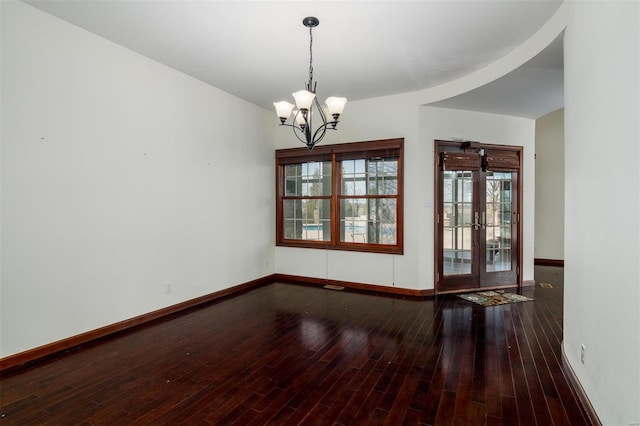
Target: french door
x,y
477,217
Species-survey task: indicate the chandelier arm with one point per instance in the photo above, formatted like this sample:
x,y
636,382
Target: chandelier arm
x,y
324,129
294,129
317,139
318,135
297,130
321,130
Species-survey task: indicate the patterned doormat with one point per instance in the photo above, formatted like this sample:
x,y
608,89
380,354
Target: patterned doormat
x,y
493,298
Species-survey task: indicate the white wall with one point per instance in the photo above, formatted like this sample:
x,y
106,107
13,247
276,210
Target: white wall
x,y
438,123
116,171
380,118
397,116
119,174
549,200
602,205
404,116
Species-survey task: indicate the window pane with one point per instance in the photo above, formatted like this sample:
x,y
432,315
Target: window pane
x,y
464,188
353,177
370,177
498,229
308,179
307,219
457,230
292,173
382,176
348,188
447,187
457,186
371,221
348,167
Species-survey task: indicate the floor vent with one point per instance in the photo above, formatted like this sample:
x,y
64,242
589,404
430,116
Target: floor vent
x,y
333,287
546,285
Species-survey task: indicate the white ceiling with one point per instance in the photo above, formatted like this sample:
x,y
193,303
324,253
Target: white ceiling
x,y
531,91
259,50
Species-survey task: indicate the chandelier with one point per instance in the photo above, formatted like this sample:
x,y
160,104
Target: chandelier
x,y
307,105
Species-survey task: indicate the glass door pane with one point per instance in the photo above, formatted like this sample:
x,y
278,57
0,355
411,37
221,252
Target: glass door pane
x,y
498,221
457,222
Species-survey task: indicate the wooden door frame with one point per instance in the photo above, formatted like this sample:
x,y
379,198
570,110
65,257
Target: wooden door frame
x,y
517,239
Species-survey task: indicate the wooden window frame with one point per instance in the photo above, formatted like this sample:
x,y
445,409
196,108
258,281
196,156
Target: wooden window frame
x,y
336,154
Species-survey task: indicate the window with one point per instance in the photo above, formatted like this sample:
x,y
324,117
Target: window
x,y
344,197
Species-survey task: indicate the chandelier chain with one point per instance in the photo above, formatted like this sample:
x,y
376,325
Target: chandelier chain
x,y
310,58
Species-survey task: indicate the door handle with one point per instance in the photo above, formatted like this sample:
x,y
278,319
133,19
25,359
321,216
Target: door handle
x,y
476,224
484,220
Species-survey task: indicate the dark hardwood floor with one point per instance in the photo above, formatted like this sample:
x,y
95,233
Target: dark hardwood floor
x,y
289,354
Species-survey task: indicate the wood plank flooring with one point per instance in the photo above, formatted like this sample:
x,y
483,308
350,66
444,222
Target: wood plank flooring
x,y
288,354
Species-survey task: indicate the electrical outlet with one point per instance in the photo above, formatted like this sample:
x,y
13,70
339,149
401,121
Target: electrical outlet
x,y
168,288
582,351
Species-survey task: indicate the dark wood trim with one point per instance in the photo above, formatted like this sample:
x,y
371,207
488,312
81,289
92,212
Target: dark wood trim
x,y
549,262
581,395
520,217
529,283
473,290
304,354
21,359
297,279
435,219
325,151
